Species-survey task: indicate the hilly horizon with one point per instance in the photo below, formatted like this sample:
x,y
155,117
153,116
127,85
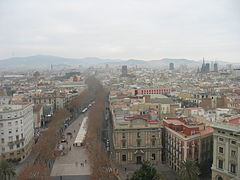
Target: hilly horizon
x,y
44,61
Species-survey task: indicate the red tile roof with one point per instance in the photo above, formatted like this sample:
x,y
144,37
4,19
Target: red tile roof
x,y
235,121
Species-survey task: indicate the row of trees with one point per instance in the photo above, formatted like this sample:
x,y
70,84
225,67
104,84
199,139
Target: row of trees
x,y
100,162
7,170
189,170
44,149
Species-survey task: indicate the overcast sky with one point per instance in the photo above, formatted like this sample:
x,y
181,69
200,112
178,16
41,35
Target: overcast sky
x,y
123,29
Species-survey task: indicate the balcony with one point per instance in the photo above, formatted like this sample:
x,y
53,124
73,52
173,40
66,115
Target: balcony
x,y
16,142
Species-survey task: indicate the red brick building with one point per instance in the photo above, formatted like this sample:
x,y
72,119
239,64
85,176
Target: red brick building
x,y
186,139
155,90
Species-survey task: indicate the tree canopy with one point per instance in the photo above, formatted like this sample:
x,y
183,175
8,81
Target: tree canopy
x,y
7,169
189,170
146,172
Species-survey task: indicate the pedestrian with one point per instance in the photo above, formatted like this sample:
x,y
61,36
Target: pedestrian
x,y
74,131
125,169
85,161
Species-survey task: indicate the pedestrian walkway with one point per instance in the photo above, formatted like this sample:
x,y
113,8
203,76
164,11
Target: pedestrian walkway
x,y
75,161
127,171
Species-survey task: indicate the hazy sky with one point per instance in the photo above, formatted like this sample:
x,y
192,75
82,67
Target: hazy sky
x,y
123,29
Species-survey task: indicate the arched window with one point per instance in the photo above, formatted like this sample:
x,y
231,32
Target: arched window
x,y
219,178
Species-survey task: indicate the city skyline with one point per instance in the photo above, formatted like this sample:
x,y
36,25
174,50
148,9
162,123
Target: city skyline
x,y
127,30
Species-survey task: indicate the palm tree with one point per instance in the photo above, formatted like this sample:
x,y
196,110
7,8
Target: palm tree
x,y
7,170
189,170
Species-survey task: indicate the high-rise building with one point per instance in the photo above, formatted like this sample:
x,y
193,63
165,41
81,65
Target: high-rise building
x,y
203,66
207,68
171,66
124,70
215,67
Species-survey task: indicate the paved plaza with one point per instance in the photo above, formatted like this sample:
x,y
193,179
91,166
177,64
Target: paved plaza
x,y
74,164
163,169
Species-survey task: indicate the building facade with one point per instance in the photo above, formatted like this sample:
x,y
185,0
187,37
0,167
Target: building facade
x,y
137,139
17,133
226,151
157,90
184,140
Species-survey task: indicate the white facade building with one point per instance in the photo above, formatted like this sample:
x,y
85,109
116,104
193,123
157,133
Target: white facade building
x,y
17,132
5,100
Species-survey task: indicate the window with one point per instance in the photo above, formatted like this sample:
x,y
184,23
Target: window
x,y
123,144
153,156
16,123
220,149
18,145
220,164
1,124
10,147
233,168
124,157
3,149
138,135
10,138
220,139
123,135
2,140
9,124
9,131
153,142
138,143
233,153
233,142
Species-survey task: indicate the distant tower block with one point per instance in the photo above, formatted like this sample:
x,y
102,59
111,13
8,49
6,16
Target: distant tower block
x,y
124,70
203,69
215,67
171,66
207,68
51,67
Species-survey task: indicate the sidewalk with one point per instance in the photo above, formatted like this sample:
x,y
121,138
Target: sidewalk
x,y
163,169
75,161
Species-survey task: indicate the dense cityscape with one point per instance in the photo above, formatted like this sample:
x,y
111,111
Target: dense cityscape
x,y
108,121
119,90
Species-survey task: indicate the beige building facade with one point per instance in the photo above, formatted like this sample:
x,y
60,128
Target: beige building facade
x,y
136,140
226,152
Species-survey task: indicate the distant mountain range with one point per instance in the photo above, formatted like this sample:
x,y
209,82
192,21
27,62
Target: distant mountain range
x,y
43,61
